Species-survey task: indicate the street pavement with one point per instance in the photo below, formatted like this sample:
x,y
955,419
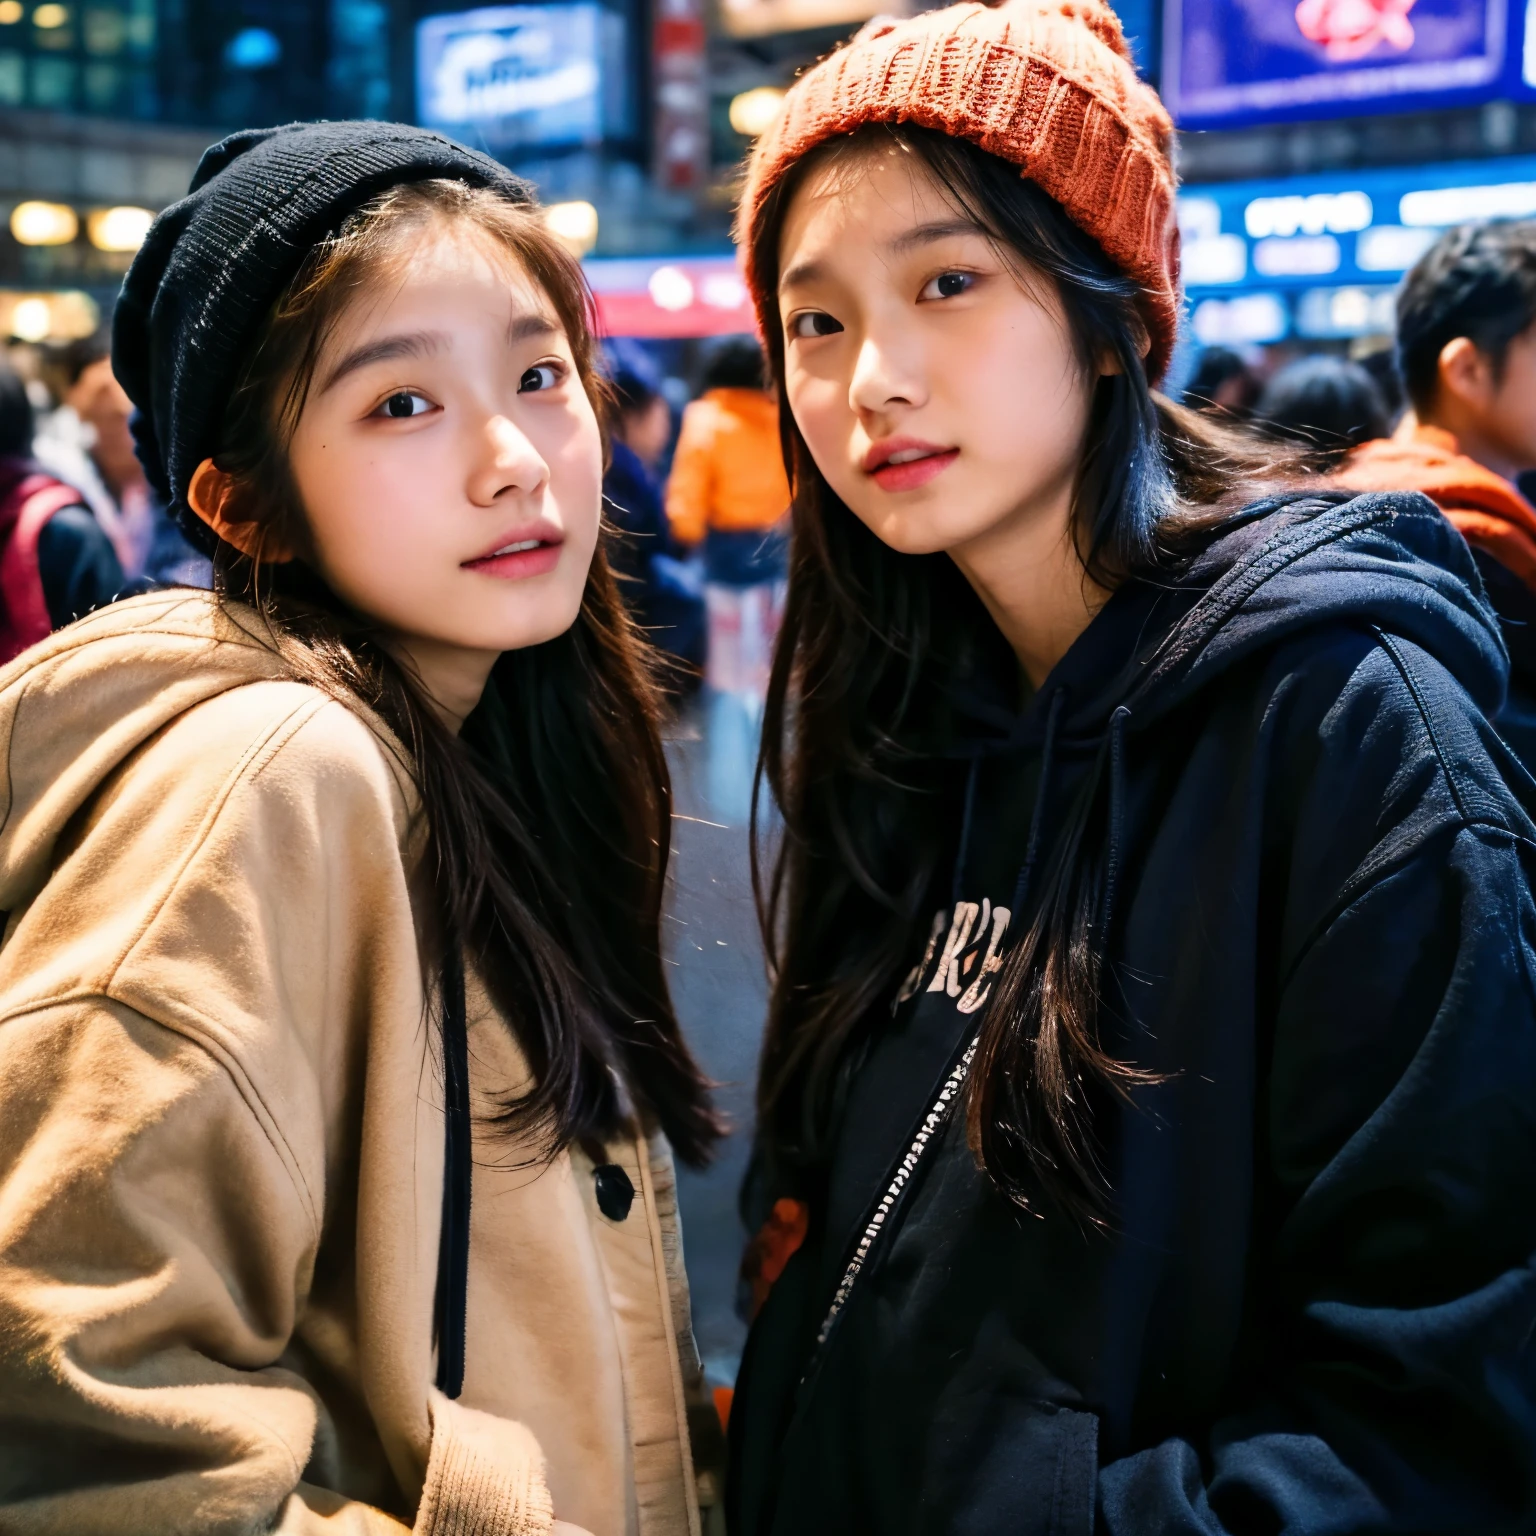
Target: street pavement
x,y
719,987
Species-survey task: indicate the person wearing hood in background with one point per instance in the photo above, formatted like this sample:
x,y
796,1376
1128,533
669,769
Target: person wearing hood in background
x,y
1466,347
1146,1130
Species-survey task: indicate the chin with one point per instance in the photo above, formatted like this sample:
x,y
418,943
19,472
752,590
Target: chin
x,y
915,532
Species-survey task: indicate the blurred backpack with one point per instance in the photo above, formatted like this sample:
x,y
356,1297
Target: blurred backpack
x,y
28,498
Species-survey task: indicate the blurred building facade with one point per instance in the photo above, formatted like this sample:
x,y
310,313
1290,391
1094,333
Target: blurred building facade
x,y
106,105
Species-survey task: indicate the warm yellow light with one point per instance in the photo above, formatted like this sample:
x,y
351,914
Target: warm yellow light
x,y
574,225
49,16
30,320
119,229
44,223
11,11
753,112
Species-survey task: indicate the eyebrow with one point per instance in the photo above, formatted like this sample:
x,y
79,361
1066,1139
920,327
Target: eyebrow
x,y
908,240
425,343
384,350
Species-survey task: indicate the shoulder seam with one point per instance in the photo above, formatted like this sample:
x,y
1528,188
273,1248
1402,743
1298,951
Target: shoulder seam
x,y
227,1063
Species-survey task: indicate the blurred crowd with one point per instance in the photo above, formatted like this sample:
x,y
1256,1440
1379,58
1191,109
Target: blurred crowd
x,y
79,525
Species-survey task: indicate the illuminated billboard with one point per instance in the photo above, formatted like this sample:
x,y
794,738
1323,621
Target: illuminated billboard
x,y
1226,62
524,77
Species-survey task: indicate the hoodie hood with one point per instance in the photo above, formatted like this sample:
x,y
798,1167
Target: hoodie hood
x,y
74,708
1386,561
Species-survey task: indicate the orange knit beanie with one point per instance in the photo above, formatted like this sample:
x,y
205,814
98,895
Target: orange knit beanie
x,y
1047,84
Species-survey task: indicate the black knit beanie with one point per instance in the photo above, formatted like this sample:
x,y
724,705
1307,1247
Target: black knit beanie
x,y
214,264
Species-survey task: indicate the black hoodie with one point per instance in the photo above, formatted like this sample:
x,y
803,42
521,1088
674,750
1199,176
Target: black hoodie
x,y
1313,1308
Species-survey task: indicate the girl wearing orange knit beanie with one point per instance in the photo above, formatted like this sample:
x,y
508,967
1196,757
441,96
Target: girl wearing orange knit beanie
x,y
1146,1104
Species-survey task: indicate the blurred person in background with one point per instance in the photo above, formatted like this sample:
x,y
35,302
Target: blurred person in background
x,y
88,442
729,494
1325,403
1223,382
56,562
663,593
1466,347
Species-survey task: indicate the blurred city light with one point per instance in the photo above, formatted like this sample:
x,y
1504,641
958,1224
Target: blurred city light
x,y
1455,205
574,225
119,229
671,288
1215,259
1338,213
1297,256
753,112
36,317
30,320
11,11
254,48
50,16
39,223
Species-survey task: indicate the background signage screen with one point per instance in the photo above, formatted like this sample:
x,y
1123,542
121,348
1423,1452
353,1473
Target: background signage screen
x,y
1232,61
523,77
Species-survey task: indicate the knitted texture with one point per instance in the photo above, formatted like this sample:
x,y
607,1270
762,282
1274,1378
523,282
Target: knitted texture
x,y
1045,84
214,264
485,1477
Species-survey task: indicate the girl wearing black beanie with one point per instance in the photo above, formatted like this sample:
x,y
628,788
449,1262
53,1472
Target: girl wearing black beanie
x,y
338,1071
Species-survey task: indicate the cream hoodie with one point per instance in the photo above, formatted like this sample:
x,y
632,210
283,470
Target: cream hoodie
x,y
221,1142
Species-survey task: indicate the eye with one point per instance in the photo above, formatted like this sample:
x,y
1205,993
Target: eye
x,y
403,403
811,323
540,377
948,285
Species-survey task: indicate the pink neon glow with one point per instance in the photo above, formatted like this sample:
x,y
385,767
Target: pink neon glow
x,y
1350,29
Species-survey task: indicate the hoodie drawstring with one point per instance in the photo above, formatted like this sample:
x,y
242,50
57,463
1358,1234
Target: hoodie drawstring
x,y
1116,811
972,774
458,1164
1037,816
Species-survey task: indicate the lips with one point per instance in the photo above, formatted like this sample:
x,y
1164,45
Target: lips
x,y
904,463
526,551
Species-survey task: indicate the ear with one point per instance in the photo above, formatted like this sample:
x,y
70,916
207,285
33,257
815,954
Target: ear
x,y
209,494
1465,372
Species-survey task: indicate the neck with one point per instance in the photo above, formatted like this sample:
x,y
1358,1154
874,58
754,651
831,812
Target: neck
x,y
1471,438
452,677
1028,573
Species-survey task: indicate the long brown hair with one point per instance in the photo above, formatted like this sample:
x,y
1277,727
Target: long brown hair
x,y
549,818
858,701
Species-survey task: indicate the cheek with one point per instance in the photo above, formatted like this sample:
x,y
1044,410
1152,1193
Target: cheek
x,y
819,404
575,459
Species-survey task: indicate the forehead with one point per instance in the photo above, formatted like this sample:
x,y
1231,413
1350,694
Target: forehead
x,y
445,267
858,198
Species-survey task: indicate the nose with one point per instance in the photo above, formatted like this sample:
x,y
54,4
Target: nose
x,y
505,461
886,376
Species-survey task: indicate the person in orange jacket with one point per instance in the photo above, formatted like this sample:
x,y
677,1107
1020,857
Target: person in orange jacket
x,y
729,493
1466,346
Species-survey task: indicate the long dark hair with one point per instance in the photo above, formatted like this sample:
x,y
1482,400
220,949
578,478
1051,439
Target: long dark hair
x,y
548,819
857,699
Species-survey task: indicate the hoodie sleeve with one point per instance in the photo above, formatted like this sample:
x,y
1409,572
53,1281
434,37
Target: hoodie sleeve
x,y
1393,1371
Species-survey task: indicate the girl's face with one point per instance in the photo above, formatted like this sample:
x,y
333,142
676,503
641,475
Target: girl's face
x,y
939,394
450,466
